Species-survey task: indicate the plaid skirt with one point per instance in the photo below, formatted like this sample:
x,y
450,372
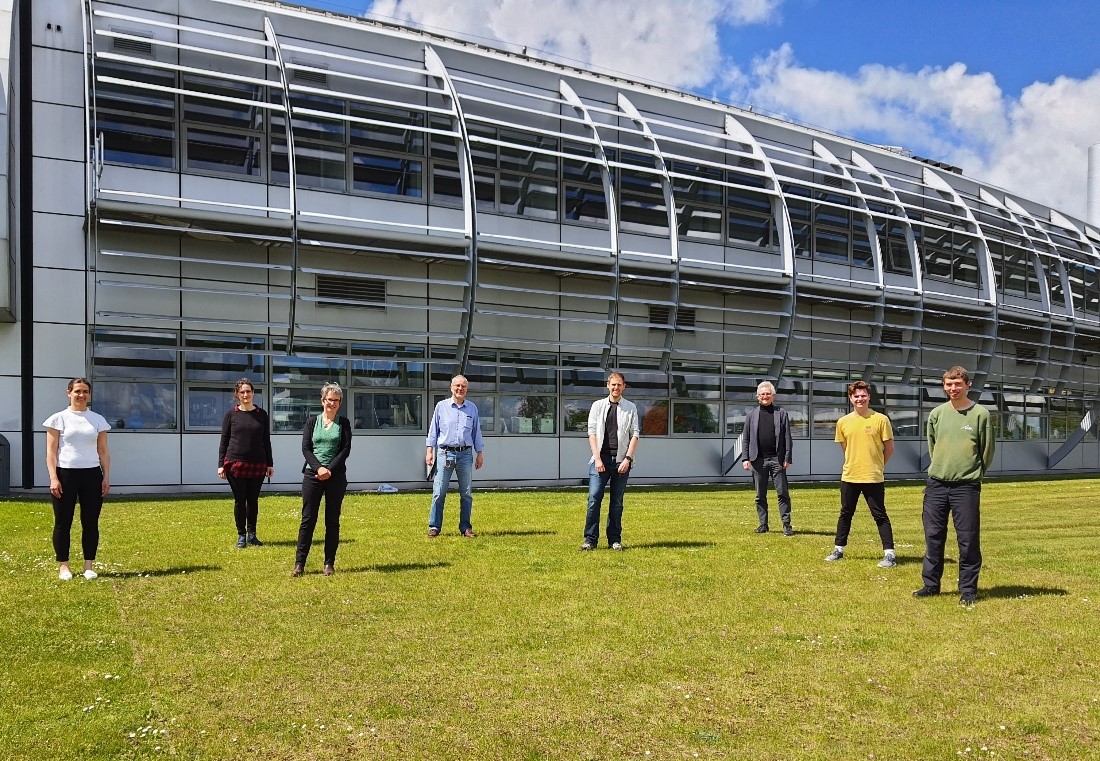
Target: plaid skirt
x,y
246,469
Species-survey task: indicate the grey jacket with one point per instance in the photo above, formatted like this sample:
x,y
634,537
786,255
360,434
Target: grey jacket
x,y
784,445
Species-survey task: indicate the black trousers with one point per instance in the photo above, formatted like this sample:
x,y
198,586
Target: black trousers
x,y
246,502
84,485
333,490
875,496
961,499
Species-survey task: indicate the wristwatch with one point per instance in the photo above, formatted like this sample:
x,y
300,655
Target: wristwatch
x,y
629,459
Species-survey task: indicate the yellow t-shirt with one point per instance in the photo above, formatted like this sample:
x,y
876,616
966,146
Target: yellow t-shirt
x,y
862,438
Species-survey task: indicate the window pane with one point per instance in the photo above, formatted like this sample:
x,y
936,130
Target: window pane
x,y
387,174
313,371
585,204
393,139
748,228
694,417
207,405
375,411
225,366
140,406
383,372
111,359
654,416
291,407
224,152
538,379
574,415
528,414
133,139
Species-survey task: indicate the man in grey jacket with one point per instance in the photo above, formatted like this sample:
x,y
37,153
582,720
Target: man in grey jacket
x,y
613,433
767,450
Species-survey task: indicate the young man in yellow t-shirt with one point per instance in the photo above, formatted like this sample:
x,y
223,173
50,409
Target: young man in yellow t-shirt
x,y
868,443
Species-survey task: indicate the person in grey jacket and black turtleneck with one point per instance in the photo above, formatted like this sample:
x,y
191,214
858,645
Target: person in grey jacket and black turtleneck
x,y
767,450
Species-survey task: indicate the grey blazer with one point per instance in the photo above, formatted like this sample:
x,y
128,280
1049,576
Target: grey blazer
x,y
784,445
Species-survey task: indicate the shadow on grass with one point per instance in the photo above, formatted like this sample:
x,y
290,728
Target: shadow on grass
x,y
670,545
163,572
317,542
519,532
1011,591
394,567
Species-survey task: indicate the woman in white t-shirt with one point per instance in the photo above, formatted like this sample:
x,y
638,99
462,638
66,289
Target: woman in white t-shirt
x,y
80,467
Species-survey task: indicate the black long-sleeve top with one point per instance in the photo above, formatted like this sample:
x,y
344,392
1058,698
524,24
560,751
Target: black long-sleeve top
x,y
246,437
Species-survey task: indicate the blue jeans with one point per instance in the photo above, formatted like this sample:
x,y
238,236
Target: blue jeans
x,y
447,463
763,470
597,483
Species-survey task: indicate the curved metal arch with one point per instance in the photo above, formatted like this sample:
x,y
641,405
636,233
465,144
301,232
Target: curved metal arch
x,y
612,206
876,254
1048,317
292,174
989,349
735,130
629,109
916,342
436,68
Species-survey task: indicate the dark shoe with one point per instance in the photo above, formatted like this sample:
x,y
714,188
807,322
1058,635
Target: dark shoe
x,y
242,542
788,531
433,532
329,570
254,541
967,601
298,570
469,533
926,592
761,530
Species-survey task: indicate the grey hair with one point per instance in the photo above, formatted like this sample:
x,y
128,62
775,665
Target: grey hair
x,y
765,386
325,389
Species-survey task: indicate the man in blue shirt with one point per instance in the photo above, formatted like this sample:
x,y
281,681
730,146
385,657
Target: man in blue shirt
x,y
456,430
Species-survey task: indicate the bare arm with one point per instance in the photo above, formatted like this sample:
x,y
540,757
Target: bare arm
x,y
887,450
104,460
53,438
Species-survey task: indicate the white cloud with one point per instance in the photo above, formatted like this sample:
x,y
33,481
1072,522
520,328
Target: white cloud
x,y
1035,146
673,43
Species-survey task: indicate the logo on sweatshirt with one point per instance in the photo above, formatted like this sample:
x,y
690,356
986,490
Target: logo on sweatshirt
x,y
968,427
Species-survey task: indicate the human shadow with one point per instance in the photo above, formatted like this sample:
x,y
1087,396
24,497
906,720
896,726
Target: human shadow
x,y
316,542
519,532
1018,591
395,567
179,571
671,544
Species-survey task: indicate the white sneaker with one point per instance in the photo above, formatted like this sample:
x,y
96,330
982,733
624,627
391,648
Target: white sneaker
x,y
617,546
65,574
834,556
90,574
887,562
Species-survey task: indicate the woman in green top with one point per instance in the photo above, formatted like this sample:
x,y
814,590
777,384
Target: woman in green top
x,y
326,444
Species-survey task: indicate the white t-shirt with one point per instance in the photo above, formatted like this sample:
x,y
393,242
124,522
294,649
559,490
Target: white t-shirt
x,y
79,434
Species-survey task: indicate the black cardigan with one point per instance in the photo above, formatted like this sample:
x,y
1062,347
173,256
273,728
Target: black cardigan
x,y
339,462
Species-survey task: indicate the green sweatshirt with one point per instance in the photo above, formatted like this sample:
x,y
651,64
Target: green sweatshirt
x,y
960,443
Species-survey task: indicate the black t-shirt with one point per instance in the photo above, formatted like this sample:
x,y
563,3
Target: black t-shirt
x,y
610,446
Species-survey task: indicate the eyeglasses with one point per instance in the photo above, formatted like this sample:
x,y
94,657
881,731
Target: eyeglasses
x,y
333,400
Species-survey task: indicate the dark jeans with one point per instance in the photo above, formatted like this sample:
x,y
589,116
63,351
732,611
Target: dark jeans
x,y
597,484
875,496
86,486
333,490
763,470
961,499
246,502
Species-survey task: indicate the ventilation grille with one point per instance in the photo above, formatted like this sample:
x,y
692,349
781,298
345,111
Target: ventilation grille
x,y
132,47
1026,355
685,318
892,338
334,290
318,78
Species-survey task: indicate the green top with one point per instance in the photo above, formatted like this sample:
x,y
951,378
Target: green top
x,y
960,443
326,441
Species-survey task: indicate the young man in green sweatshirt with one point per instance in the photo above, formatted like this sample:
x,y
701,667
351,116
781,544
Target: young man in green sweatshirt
x,y
960,443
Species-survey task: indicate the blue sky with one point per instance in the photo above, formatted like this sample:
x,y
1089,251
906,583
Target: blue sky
x,y
1008,90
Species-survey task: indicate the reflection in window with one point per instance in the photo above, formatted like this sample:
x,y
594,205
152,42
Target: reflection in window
x,y
695,417
137,405
291,407
527,414
378,411
207,405
654,416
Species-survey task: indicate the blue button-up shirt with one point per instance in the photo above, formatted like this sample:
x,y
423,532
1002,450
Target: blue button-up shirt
x,y
455,425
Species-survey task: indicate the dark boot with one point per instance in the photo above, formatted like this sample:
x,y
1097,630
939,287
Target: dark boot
x,y
253,540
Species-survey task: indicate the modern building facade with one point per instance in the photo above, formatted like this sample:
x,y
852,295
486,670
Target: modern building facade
x,y
200,190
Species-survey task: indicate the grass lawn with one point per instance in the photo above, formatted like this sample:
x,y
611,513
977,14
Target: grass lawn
x,y
702,640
